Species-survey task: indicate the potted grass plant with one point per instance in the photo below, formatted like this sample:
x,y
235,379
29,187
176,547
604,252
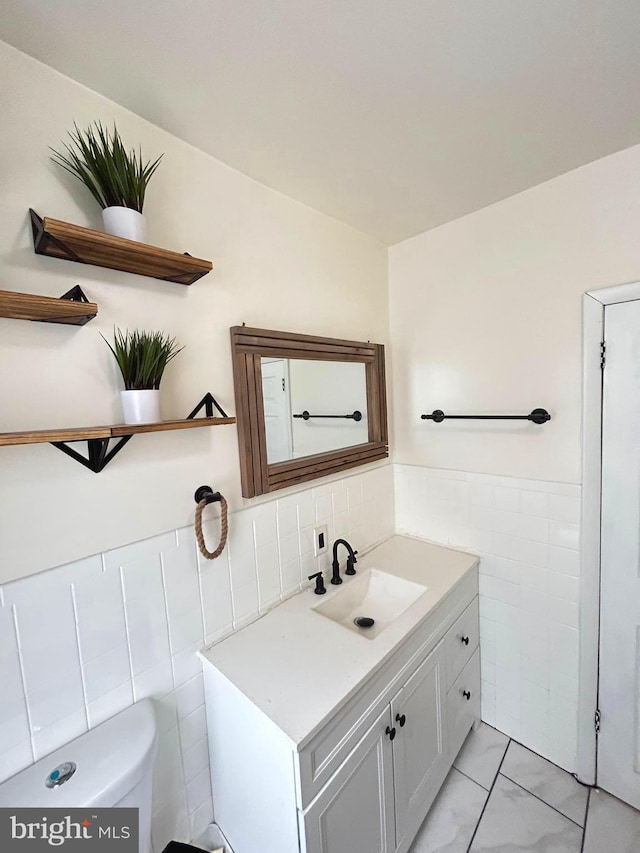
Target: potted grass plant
x,y
142,358
116,178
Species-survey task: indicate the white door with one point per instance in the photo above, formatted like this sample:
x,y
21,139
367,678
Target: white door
x,y
619,700
354,812
277,409
419,748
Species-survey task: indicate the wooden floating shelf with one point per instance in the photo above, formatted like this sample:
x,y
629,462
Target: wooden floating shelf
x,y
98,437
48,436
59,239
72,309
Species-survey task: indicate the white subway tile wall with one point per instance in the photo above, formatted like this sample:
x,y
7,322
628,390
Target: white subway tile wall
x,y
81,642
527,533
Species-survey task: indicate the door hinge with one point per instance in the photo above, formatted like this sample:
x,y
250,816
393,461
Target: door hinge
x,y
603,354
283,387
596,721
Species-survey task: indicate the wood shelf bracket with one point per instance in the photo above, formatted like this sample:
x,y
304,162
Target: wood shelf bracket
x,y
76,294
72,308
58,239
98,452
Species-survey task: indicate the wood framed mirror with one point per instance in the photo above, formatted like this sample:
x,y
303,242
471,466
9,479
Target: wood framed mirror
x,y
306,406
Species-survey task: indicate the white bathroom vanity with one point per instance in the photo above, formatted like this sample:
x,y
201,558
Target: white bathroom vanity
x,y
327,739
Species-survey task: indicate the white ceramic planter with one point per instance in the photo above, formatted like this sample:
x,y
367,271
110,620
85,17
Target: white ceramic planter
x,y
125,222
141,407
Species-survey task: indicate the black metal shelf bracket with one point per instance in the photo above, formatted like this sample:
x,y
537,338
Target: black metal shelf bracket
x,y
42,239
76,294
537,416
355,416
207,403
183,278
98,453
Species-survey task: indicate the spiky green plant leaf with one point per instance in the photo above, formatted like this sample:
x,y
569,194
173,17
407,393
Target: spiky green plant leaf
x,y
142,357
99,159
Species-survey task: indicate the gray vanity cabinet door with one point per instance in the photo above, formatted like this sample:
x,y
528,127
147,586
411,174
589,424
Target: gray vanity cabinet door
x,y
419,746
354,812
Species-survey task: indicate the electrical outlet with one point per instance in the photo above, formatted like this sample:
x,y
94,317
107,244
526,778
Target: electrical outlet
x,y
320,540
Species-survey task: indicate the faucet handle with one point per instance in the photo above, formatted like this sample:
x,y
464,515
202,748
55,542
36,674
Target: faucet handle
x,y
351,559
320,587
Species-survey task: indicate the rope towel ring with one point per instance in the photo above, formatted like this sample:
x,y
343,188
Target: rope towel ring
x,y
224,528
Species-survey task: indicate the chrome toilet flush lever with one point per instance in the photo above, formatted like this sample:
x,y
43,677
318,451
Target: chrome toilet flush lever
x,y
61,774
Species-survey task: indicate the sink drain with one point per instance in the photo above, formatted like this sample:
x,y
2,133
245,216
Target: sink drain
x,y
364,622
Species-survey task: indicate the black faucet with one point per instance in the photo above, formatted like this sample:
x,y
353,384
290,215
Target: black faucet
x,y
319,579
351,560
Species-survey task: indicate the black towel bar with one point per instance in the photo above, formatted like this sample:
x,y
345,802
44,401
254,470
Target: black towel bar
x,y
356,416
538,416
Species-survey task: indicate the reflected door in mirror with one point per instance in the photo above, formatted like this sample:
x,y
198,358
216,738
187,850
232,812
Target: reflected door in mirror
x,y
277,409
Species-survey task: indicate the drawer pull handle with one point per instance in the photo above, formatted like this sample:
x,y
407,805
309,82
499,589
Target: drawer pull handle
x,y
401,719
466,694
464,640
391,732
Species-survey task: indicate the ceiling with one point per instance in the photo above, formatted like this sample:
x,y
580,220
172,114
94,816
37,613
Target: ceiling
x,y
394,116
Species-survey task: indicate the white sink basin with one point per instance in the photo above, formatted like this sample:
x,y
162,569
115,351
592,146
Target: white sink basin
x,y
373,594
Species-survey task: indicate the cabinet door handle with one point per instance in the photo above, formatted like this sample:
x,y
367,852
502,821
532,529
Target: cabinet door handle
x,y
401,719
464,640
391,732
466,694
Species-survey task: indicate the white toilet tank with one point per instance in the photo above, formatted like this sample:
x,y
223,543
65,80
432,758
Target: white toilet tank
x,y
114,767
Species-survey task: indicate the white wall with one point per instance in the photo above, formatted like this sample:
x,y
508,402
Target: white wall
x,y
486,318
278,264
127,624
129,618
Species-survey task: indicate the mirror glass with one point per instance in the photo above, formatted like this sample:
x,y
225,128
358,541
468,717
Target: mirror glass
x,y
313,406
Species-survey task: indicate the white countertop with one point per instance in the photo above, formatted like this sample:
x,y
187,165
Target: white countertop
x,y
297,666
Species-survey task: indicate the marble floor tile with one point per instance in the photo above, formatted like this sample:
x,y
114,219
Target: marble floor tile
x,y
612,826
548,782
449,826
481,754
515,821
